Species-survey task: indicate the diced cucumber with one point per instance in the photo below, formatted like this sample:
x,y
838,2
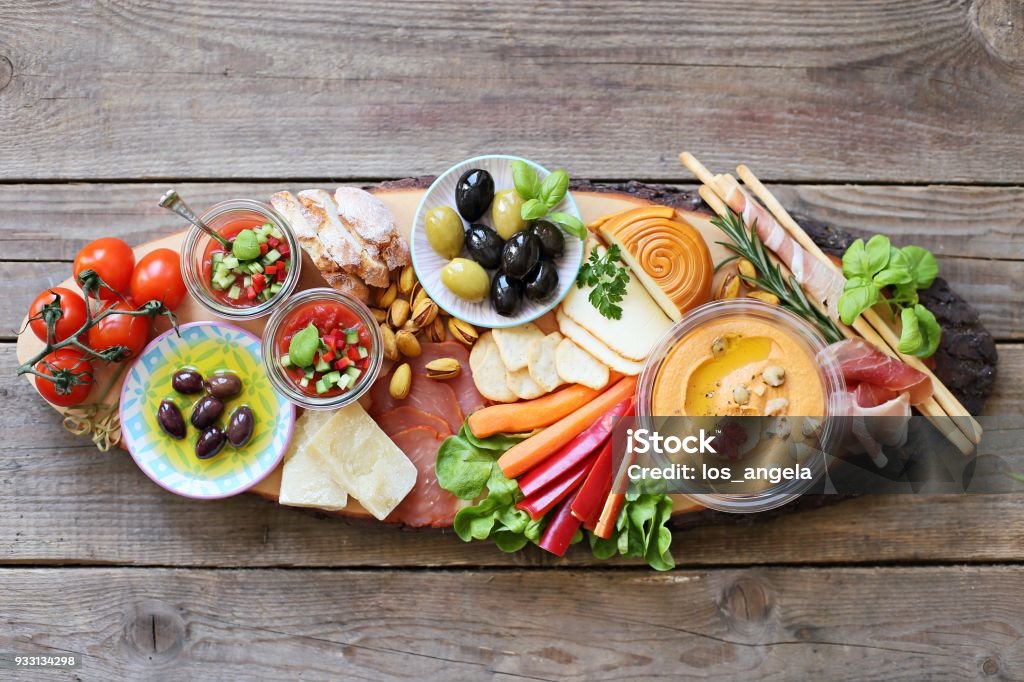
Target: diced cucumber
x,y
261,237
345,382
217,257
309,373
304,382
235,293
247,281
272,256
286,361
322,387
230,262
322,366
351,337
332,377
276,287
362,352
353,372
276,233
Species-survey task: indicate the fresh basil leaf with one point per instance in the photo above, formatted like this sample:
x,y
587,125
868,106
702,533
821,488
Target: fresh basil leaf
x,y
856,299
533,209
878,251
923,266
889,276
855,260
245,246
525,179
303,345
931,332
905,293
554,187
463,469
570,224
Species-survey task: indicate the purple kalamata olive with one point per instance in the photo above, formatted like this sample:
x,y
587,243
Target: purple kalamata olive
x,y
240,426
187,381
224,385
169,417
206,411
210,442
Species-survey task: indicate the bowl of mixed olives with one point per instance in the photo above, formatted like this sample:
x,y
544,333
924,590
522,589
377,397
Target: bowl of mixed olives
x,y
479,259
199,415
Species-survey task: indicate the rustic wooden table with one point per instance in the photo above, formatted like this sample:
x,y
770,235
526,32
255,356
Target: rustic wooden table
x,y
896,116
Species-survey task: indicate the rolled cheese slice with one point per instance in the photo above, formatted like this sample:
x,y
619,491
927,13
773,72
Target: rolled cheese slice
x,y
667,254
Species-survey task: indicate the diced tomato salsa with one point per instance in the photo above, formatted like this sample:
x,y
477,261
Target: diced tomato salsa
x,y
345,348
247,283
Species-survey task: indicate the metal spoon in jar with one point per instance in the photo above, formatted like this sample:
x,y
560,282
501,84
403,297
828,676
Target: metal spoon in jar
x,y
172,202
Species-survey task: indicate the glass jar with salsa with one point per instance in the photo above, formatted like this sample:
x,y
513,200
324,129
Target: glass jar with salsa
x,y
322,349
258,269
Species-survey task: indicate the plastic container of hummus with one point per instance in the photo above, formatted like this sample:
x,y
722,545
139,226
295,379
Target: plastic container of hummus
x,y
744,367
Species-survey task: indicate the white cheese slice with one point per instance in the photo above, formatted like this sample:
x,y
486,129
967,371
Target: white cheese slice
x,y
363,460
633,335
305,481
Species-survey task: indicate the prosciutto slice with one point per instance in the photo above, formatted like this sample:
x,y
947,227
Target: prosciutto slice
x,y
860,362
406,417
877,426
428,504
433,397
817,278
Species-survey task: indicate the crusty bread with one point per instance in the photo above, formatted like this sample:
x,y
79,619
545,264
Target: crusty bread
x,y
354,242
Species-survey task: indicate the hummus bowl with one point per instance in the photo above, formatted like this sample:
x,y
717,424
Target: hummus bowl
x,y
744,367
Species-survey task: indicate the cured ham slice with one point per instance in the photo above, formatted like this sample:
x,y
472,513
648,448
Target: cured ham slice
x,y
869,395
407,417
468,397
860,362
427,395
881,425
428,504
817,278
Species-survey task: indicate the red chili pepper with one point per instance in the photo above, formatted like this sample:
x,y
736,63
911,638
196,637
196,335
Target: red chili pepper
x,y
561,529
594,491
342,363
270,270
576,450
541,502
328,356
264,247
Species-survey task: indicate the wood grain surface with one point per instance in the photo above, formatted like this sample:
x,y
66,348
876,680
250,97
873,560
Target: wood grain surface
x,y
720,624
805,90
893,116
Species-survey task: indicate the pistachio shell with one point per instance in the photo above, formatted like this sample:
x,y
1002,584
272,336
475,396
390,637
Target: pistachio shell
x,y
443,368
380,315
765,296
424,313
746,268
398,313
730,287
406,280
462,331
390,342
401,382
387,296
436,332
408,344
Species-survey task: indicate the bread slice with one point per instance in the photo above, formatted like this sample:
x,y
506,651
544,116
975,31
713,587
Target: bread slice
x,y
289,206
371,221
344,246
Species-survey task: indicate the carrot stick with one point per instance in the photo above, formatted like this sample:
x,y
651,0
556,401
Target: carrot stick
x,y
609,515
530,414
527,453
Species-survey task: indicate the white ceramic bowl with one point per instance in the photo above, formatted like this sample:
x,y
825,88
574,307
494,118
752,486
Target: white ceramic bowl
x,y
428,263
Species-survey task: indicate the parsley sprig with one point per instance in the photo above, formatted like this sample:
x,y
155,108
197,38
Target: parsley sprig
x,y
608,277
747,244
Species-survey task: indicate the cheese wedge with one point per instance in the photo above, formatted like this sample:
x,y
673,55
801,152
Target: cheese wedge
x,y
633,335
305,481
593,345
363,460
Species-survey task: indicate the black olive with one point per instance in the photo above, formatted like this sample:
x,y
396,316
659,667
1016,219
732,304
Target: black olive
x,y
484,245
210,442
552,240
542,281
520,255
187,381
240,426
474,193
506,294
224,385
169,417
206,411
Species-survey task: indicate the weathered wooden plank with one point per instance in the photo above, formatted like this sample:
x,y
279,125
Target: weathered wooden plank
x,y
884,90
837,623
63,502
53,221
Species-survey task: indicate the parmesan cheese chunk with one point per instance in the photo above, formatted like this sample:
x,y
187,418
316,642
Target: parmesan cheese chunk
x,y
363,460
305,482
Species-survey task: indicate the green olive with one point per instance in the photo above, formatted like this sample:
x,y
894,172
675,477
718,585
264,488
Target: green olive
x,y
505,213
444,231
466,279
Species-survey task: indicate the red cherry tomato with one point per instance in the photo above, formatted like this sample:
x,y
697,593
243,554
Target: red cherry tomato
x,y
157,277
113,260
73,374
120,330
72,313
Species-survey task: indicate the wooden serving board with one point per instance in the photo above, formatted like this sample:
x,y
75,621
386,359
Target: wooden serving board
x,y
403,200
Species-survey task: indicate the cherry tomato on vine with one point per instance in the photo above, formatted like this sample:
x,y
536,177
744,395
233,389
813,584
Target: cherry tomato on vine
x,y
157,277
120,330
72,377
112,259
72,313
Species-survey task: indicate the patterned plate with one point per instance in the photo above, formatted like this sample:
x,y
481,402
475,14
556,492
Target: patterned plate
x,y
172,464
428,263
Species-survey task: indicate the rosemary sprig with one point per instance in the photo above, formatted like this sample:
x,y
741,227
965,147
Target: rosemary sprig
x,y
747,244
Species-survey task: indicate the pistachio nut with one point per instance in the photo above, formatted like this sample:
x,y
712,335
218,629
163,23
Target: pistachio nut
x,y
385,297
380,315
424,313
443,368
436,331
389,342
408,344
398,313
765,296
406,280
462,331
401,382
746,268
730,287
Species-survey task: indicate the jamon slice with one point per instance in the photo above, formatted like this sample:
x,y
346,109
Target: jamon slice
x,y
427,504
468,397
434,397
869,395
860,362
407,417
